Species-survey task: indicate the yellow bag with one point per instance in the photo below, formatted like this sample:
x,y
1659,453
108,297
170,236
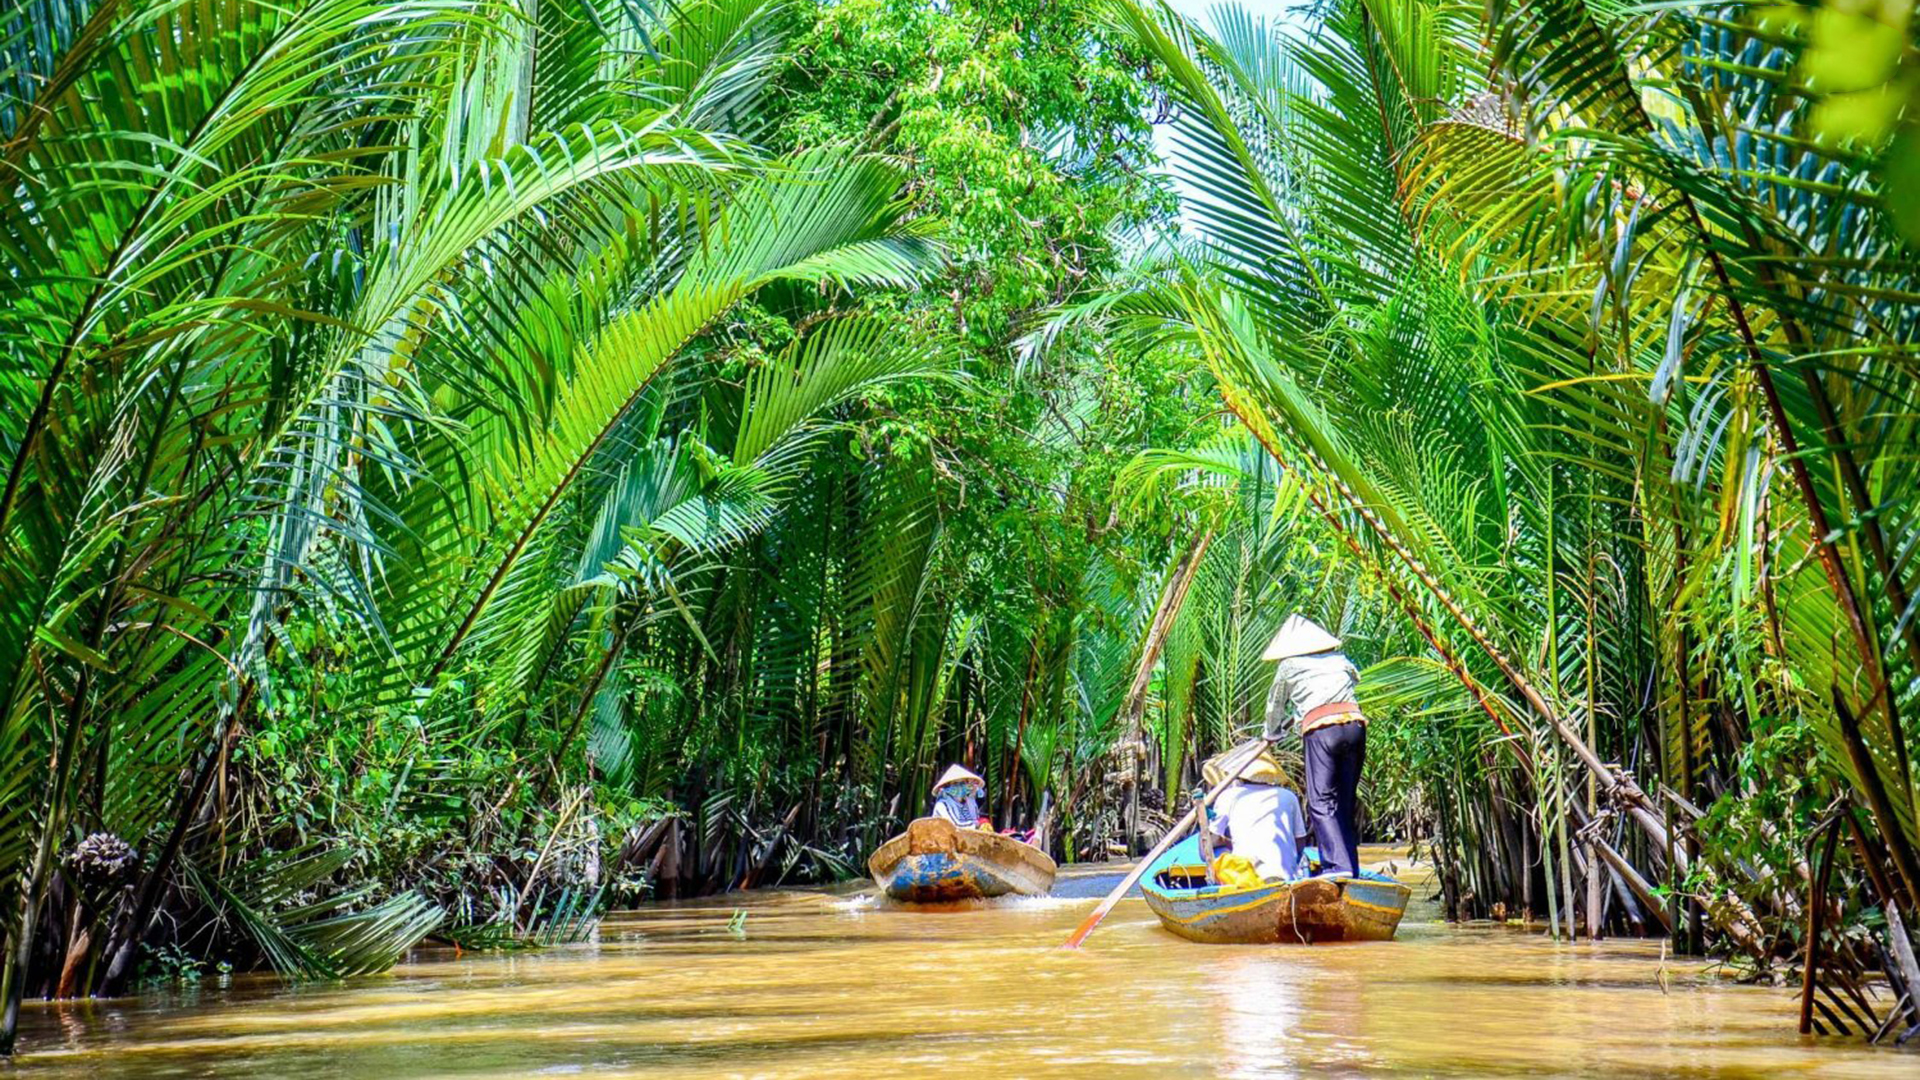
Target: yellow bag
x,y
1236,871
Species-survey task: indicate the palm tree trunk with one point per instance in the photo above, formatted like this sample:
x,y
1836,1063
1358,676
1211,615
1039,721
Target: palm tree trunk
x,y
1172,597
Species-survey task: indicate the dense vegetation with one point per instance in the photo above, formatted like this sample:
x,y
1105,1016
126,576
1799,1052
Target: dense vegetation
x,y
473,464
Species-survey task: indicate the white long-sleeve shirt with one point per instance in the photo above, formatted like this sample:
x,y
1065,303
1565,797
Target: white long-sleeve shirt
x,y
1302,684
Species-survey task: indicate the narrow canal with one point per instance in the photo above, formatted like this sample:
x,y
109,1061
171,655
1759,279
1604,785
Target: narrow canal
x,y
819,984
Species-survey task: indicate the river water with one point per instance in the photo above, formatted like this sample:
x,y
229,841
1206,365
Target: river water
x,y
837,984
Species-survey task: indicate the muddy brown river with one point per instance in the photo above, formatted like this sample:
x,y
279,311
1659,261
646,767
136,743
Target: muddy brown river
x,y
836,984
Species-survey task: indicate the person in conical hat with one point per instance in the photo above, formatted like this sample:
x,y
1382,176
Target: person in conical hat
x,y
1317,687
1265,769
956,797
1300,636
1258,814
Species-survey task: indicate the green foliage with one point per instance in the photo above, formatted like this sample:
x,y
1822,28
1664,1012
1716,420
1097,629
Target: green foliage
x,y
1523,301
467,465
462,405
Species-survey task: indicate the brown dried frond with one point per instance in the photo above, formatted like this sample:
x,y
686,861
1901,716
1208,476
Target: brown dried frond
x,y
1487,110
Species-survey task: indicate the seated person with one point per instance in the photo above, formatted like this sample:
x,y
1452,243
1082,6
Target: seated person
x,y
956,798
1259,815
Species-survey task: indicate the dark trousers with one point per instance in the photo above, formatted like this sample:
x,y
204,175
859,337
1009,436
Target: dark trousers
x,y
1334,755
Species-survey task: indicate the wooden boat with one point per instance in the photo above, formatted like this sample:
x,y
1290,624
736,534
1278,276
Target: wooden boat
x,y
934,862
1365,907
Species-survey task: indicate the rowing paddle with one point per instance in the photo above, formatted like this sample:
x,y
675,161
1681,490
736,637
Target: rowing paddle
x,y
1252,750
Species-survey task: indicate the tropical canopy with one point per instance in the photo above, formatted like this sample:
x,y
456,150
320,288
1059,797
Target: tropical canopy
x,y
472,464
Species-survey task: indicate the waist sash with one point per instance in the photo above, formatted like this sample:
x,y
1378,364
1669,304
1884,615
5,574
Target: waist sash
x,y
1333,712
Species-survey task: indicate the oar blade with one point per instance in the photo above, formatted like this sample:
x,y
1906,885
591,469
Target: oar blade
x,y
1086,927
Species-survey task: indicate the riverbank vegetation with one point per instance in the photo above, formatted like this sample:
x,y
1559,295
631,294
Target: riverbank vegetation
x,y
473,465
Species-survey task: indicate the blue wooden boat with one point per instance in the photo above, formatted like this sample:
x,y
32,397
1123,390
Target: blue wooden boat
x,y
1365,907
933,862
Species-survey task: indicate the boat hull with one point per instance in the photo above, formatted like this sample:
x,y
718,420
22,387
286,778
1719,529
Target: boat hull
x,y
933,862
1310,912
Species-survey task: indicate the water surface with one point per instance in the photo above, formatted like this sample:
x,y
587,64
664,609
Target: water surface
x,y
819,984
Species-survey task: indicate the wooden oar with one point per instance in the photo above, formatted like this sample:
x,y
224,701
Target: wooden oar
x,y
1179,830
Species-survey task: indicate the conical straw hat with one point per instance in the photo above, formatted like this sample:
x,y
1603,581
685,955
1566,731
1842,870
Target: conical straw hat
x,y
956,773
1264,770
1299,636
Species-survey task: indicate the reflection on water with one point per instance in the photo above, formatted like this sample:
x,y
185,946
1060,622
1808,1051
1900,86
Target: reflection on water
x,y
820,984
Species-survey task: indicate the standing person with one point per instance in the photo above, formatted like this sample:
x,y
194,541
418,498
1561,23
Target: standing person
x,y
956,797
1318,684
